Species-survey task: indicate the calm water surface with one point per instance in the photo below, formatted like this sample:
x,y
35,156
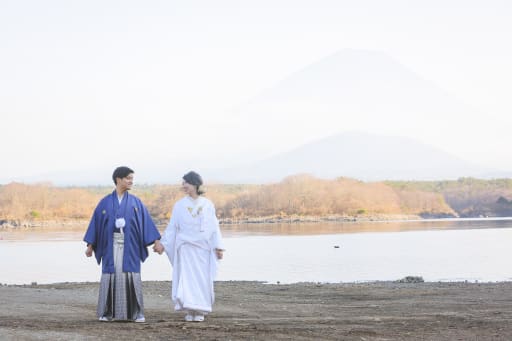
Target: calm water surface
x,y
437,250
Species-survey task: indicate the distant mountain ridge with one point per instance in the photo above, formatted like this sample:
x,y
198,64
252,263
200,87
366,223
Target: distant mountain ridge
x,y
352,90
357,155
362,156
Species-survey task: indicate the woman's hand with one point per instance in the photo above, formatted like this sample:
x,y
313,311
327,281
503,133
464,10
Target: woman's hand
x,y
158,247
219,253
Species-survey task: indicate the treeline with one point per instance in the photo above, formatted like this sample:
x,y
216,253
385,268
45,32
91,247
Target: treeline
x,y
45,202
295,196
468,197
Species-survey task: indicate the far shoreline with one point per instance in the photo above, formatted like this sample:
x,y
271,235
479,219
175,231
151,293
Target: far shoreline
x,y
408,280
14,224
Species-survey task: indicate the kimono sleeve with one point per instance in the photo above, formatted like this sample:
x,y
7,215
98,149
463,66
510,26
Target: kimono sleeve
x,y
216,239
149,229
93,233
169,238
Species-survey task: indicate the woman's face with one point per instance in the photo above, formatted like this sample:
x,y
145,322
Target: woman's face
x,y
188,188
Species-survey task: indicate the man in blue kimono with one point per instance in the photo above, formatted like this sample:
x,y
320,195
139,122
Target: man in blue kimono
x,y
119,233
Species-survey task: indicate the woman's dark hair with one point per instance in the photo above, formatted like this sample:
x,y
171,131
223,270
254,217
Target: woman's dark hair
x,y
121,172
195,180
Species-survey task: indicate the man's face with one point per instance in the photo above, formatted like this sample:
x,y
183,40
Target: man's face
x,y
125,183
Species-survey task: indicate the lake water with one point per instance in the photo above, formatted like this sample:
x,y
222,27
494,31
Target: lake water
x,y
438,250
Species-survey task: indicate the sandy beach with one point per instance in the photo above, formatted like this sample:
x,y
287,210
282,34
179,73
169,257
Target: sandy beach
x,y
257,311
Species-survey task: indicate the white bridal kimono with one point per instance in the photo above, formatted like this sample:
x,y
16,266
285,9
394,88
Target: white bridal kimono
x,y
190,241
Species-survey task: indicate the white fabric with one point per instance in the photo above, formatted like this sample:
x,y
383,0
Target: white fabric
x,y
190,240
120,222
118,252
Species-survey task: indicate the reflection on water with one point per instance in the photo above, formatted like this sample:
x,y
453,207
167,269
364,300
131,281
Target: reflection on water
x,y
448,250
359,226
42,234
297,229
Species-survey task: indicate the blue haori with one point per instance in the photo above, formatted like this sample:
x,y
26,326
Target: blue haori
x,y
139,232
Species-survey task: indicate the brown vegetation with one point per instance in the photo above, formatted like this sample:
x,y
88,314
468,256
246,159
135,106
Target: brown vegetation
x,y
468,197
45,202
295,196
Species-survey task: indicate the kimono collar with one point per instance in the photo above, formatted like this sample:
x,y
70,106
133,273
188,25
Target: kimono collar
x,y
125,194
115,202
195,206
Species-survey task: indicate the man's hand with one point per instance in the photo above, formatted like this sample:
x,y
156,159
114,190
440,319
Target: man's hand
x,y
158,247
88,252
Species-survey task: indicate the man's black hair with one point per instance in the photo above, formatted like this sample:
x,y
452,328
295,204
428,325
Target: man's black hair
x,y
121,172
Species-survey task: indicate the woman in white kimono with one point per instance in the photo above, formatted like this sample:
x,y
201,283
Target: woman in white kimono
x,y
193,243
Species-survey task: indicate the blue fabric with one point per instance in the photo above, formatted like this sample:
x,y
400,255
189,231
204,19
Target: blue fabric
x,y
140,232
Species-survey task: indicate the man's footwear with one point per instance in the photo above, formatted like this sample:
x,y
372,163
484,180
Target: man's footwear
x,y
198,318
104,319
189,317
141,319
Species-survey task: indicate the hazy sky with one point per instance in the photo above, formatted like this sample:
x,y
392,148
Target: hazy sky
x,y
94,84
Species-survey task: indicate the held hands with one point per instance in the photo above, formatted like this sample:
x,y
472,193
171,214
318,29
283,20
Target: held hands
x,y
158,247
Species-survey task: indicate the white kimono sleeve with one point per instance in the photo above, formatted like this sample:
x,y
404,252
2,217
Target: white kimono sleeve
x,y
216,238
169,237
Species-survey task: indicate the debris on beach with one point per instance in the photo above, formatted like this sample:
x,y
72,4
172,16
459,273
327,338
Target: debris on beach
x,y
411,279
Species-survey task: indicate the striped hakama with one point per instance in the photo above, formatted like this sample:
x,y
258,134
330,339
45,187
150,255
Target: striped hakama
x,y
120,296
